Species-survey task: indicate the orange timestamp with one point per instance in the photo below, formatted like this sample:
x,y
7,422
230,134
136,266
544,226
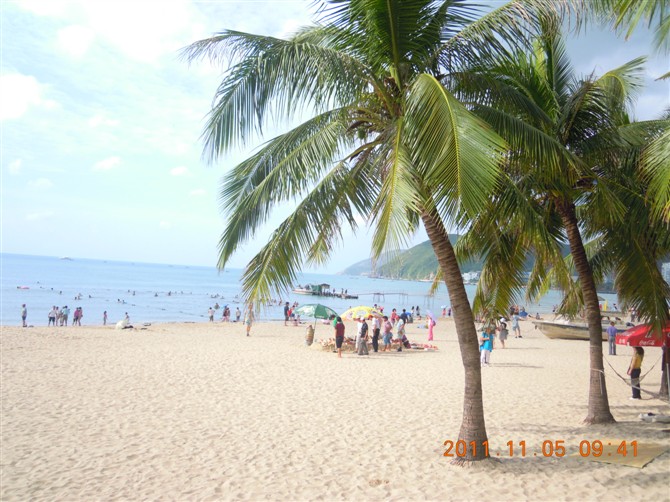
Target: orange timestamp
x,y
549,448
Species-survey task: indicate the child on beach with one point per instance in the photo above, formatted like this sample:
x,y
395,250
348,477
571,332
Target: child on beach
x,y
388,334
502,330
249,318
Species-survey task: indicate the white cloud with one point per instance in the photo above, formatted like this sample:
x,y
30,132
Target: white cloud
x,y
39,216
15,166
199,192
45,7
165,225
75,40
98,120
143,31
179,171
40,184
18,93
107,164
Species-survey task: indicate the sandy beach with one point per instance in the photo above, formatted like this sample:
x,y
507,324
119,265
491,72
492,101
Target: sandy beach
x,y
202,412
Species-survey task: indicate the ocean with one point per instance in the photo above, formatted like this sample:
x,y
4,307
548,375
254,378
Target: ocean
x,y
179,293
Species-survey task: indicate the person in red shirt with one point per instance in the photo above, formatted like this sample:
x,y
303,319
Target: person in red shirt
x,y
339,335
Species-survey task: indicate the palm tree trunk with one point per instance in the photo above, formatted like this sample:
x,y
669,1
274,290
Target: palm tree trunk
x,y
599,409
473,426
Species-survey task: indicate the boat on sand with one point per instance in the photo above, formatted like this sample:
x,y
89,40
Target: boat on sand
x,y
567,329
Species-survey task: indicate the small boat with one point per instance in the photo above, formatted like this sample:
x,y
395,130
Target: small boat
x,y
566,329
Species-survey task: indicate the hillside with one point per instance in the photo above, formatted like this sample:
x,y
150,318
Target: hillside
x,y
418,262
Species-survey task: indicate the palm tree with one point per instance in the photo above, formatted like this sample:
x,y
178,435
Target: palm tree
x,y
563,134
386,141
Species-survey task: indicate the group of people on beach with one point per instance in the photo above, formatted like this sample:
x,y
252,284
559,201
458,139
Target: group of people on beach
x,y
497,329
59,316
379,327
225,315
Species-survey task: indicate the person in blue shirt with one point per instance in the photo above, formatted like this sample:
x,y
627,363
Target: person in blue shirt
x,y
486,346
611,338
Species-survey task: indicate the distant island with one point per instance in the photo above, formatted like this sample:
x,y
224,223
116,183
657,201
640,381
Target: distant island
x,y
418,263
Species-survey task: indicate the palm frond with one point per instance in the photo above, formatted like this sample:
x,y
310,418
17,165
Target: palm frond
x,y
308,234
457,153
274,74
280,171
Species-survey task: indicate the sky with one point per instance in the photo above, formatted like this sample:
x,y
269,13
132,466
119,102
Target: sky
x,y
100,120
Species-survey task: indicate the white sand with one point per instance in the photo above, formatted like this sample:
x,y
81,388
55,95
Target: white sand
x,y
201,412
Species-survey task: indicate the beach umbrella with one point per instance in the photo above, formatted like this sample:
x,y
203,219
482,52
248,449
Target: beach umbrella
x,y
315,310
643,336
361,311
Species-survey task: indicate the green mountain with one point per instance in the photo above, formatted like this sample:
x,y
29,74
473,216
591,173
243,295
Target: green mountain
x,y
416,263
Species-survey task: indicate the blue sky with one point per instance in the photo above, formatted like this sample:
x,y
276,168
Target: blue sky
x,y
101,123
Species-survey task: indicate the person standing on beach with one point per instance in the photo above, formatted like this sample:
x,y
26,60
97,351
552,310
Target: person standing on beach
x,y
210,313
339,335
64,314
286,313
249,317
388,334
486,346
238,314
400,329
52,316
24,314
634,371
104,318
376,328
363,338
431,325
611,338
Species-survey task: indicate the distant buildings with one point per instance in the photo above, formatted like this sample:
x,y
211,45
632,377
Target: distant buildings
x,y
665,270
471,277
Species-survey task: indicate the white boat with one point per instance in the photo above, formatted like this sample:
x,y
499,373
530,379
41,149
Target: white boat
x,y
566,329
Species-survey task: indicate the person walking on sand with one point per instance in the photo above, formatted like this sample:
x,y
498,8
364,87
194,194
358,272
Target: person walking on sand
x,y
339,335
286,313
249,317
238,314
516,329
486,346
431,325
24,315
376,328
502,333
363,338
634,371
388,334
611,338
104,318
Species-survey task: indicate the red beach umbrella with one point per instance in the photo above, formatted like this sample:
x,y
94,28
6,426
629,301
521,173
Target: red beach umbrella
x,y
643,336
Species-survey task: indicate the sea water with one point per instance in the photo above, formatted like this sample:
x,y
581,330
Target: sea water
x,y
177,293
